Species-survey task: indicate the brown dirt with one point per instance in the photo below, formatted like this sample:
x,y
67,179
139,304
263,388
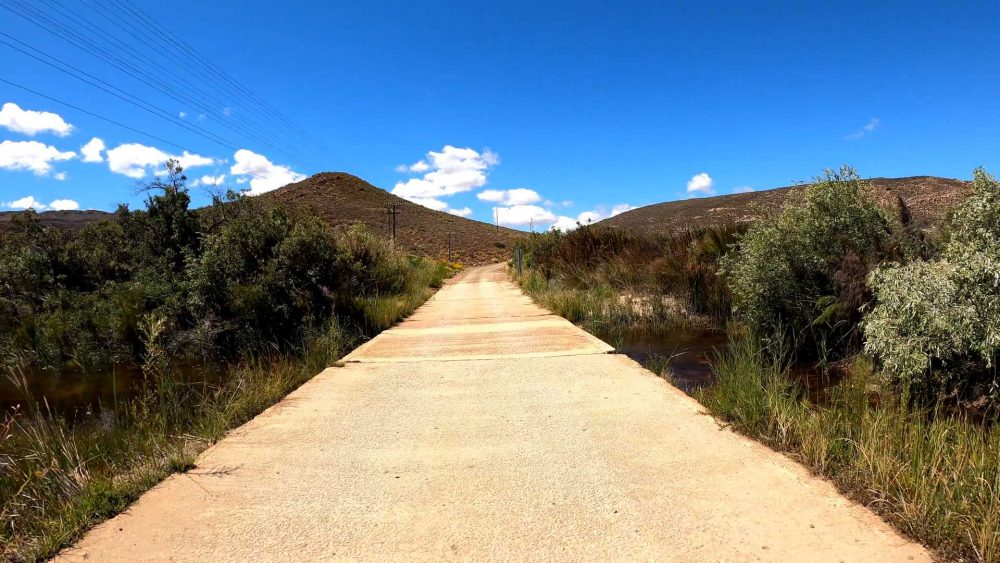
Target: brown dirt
x,y
342,199
928,197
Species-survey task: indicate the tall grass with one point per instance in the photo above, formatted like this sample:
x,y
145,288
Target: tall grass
x,y
57,479
934,475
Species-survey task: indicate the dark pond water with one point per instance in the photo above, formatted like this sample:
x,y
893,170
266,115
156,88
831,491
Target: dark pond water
x,y
689,354
77,393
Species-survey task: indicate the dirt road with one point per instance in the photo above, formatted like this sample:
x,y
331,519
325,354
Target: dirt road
x,y
485,428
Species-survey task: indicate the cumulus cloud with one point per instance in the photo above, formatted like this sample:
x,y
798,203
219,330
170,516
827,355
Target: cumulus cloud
x,y
742,189
29,202
430,202
452,171
61,176
31,155
136,161
92,150
517,196
520,215
622,208
463,212
866,129
264,174
701,183
31,122
213,180
64,205
566,224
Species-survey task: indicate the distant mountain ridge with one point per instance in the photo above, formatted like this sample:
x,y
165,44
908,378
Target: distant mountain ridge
x,y
928,197
343,199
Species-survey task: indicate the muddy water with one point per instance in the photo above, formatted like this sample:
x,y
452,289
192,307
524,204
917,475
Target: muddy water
x,y
690,353
77,393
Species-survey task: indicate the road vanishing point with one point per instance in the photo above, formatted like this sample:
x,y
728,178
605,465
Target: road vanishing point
x,y
485,428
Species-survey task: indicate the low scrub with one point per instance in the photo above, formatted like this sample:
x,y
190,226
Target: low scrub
x,y
274,298
936,325
935,476
801,274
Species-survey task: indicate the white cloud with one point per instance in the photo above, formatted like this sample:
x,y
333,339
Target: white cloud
x,y
463,212
566,203
867,128
418,167
31,155
29,202
517,196
61,176
622,208
136,161
520,215
264,174
212,180
243,180
430,202
31,122
742,189
701,183
92,150
453,170
182,114
566,224
64,205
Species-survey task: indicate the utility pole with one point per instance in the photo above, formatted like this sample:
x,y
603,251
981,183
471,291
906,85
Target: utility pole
x,y
496,217
392,210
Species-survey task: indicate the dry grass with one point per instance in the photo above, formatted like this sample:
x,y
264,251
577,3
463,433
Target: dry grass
x,y
934,476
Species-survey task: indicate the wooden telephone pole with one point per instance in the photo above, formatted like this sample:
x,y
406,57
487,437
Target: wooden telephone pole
x,y
392,210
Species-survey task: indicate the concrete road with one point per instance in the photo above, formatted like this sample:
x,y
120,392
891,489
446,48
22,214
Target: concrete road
x,y
485,428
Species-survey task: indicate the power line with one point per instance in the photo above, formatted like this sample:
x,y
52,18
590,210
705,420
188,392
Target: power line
x,y
92,114
103,11
138,102
56,28
208,64
109,120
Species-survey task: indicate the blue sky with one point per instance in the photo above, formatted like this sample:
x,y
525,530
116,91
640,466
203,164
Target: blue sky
x,y
578,106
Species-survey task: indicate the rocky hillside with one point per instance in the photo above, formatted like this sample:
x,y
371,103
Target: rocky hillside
x,y
343,199
928,198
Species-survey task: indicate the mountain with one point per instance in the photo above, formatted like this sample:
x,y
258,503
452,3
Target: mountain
x,y
928,198
343,199
69,220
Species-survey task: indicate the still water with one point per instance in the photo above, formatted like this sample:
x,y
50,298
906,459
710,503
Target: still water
x,y
77,393
690,353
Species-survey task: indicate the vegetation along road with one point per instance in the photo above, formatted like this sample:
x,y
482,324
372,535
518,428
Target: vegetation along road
x,y
484,427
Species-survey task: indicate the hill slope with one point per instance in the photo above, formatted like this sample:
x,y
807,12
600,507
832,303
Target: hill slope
x,y
343,199
928,198
69,220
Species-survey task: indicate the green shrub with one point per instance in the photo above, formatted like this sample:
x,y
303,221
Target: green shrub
x,y
803,271
936,324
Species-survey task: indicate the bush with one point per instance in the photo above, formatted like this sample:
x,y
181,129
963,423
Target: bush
x,y
936,324
802,272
